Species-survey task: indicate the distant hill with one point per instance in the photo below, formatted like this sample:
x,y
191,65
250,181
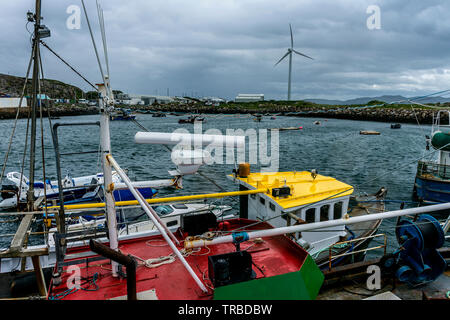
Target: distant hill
x,y
12,86
386,98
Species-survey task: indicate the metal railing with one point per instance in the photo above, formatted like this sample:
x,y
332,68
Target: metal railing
x,y
331,257
432,168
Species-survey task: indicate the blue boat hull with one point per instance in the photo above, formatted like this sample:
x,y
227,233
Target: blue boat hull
x,y
119,195
429,190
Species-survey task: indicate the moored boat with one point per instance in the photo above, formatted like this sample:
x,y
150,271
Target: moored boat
x,y
432,181
307,197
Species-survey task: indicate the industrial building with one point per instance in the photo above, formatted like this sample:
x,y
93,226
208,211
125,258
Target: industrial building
x,y
245,97
12,102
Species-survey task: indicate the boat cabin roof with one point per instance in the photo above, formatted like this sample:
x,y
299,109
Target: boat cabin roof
x,y
304,188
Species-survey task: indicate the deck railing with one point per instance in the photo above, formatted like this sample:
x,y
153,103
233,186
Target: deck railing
x,y
438,170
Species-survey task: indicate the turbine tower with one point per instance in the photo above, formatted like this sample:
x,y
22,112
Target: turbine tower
x,y
289,53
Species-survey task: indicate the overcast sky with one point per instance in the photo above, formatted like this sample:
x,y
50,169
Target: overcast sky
x,y
225,47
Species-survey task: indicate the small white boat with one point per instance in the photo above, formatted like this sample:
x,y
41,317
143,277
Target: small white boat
x,y
76,190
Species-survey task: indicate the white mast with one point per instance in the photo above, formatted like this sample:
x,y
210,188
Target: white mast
x,y
106,104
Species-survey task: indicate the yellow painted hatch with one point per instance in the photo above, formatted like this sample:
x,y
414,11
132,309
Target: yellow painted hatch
x,y
304,189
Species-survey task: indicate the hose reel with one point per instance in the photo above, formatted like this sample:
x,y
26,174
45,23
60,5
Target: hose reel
x,y
417,260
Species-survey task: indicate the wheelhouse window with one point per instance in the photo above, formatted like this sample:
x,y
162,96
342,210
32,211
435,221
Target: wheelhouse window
x,y
179,206
310,215
337,214
324,210
163,210
271,206
262,201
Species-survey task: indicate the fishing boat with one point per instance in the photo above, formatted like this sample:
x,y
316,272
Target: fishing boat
x,y
307,197
133,222
122,114
432,181
257,118
396,126
288,128
158,115
192,119
369,133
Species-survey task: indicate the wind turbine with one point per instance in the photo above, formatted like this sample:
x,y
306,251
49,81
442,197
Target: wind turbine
x,y
289,53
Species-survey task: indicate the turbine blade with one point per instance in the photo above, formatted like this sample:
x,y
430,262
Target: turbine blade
x,y
302,54
282,58
292,38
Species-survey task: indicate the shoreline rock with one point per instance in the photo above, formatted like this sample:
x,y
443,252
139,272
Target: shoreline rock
x,y
379,114
56,111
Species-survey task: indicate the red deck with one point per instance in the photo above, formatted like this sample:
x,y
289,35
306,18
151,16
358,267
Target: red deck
x,y
273,256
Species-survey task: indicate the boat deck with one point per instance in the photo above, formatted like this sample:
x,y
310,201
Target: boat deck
x,y
271,256
360,230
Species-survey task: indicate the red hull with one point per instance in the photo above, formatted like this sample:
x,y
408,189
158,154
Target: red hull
x,y
273,256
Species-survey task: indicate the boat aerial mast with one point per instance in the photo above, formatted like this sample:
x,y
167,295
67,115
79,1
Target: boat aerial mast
x,y
34,99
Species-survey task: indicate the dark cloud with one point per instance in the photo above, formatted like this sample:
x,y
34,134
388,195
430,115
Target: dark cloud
x,y
223,48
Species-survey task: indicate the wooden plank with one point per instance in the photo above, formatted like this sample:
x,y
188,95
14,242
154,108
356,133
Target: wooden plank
x,y
39,276
24,253
19,237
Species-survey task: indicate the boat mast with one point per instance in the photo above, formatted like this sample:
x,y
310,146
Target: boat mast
x,y
34,102
106,104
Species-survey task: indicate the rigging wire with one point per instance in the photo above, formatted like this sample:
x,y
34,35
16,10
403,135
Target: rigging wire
x,y
67,64
17,116
42,130
107,86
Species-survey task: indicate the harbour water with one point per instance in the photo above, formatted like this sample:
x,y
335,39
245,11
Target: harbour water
x,y
334,148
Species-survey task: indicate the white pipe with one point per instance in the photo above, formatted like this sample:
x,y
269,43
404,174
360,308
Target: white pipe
x,y
147,184
189,139
147,209
138,196
107,181
320,225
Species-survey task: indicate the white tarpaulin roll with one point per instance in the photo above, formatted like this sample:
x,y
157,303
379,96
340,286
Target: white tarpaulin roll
x,y
189,139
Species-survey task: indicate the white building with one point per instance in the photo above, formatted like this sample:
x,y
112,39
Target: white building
x,y
12,102
245,97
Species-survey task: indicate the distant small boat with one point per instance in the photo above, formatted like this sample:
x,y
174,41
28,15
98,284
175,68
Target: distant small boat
x,y
290,128
316,122
122,115
257,118
376,133
396,126
192,119
158,115
273,118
